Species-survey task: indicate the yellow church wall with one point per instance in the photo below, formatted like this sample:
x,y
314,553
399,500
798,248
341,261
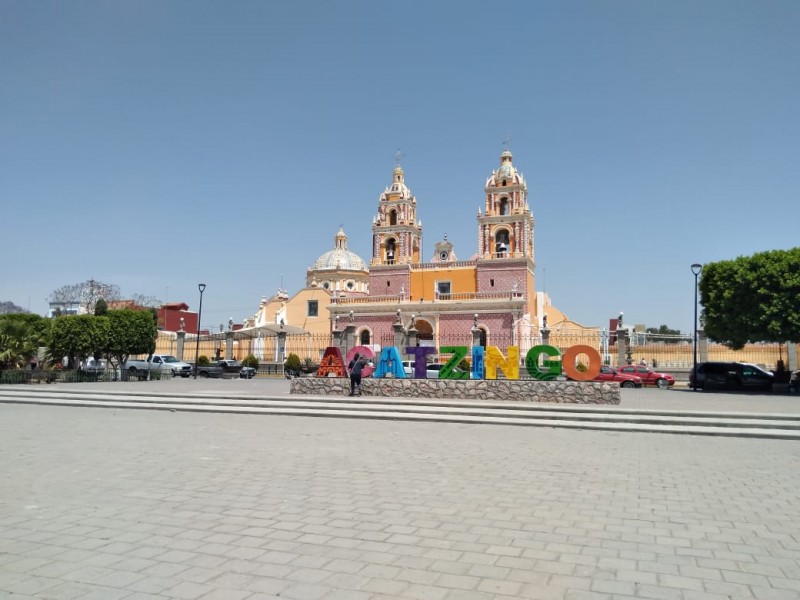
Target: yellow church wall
x,y
423,281
297,310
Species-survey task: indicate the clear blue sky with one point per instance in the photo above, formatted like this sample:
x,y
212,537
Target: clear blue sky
x,y
159,144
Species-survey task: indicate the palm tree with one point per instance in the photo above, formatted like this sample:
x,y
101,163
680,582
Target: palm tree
x,y
17,344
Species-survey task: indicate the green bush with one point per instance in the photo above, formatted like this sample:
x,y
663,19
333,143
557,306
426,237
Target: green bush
x,y
202,361
250,361
292,363
15,376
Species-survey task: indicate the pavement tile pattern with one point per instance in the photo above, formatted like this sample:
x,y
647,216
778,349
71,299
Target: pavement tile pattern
x,y
128,504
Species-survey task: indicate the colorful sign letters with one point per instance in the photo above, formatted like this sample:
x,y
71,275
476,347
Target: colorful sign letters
x,y
542,362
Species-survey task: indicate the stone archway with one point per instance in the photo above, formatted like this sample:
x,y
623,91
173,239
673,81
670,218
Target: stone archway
x,y
424,330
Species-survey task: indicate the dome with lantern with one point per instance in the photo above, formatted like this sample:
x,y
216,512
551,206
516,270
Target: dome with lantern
x,y
340,257
339,270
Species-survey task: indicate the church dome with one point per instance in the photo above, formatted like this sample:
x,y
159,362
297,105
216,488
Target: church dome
x,y
506,173
340,258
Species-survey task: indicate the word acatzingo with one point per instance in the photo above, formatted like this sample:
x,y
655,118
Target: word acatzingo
x,y
542,362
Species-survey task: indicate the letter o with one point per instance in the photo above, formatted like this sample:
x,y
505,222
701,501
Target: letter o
x,y
568,362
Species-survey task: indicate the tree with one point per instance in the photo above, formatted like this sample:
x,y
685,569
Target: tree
x,y
8,307
130,332
250,361
666,335
752,299
37,326
78,336
85,294
146,301
18,344
101,308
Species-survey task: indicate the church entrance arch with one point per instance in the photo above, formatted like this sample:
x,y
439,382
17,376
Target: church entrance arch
x,y
424,332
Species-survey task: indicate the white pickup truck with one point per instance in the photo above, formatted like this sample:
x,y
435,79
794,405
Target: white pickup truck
x,y
158,362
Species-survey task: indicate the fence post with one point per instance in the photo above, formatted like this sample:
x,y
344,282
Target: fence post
x,y
348,338
399,335
336,338
180,340
792,357
622,346
281,340
229,345
411,337
702,346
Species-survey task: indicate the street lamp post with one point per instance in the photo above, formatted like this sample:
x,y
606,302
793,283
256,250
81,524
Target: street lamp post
x,y
696,268
202,288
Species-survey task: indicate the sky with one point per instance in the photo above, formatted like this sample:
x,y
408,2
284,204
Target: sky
x,y
157,145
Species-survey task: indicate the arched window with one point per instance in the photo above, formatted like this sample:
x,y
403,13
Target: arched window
x,y
391,249
504,206
364,338
501,242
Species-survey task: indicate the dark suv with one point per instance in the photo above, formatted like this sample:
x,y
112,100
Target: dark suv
x,y
730,376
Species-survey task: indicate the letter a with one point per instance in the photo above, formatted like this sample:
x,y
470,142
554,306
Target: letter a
x,y
331,363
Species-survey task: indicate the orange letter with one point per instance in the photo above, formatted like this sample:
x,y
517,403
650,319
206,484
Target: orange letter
x,y
571,355
331,363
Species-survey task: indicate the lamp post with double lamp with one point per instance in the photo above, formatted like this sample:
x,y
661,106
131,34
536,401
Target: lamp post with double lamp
x,y
696,268
202,288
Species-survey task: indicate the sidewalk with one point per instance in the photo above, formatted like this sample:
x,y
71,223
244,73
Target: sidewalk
x,y
679,398
150,505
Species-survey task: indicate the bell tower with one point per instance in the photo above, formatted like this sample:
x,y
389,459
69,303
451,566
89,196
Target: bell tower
x,y
396,233
505,228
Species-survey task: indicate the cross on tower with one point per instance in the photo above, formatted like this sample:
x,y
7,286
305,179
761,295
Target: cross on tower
x,y
398,156
507,141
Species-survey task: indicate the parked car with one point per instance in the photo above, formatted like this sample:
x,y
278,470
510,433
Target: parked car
x,y
158,362
247,373
648,376
730,376
220,368
608,373
432,370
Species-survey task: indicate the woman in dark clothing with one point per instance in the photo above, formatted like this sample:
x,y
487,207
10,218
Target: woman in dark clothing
x,y
355,366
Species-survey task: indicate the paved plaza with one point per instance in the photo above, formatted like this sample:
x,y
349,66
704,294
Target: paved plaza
x,y
135,504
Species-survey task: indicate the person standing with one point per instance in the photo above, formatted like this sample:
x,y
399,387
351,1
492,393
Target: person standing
x,y
356,365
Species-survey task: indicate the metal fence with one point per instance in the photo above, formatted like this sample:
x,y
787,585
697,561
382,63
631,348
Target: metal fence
x,y
657,350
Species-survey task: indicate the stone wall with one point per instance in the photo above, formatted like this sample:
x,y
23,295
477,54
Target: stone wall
x,y
522,390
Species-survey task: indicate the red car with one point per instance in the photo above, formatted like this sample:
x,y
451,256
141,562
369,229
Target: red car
x,y
611,374
649,377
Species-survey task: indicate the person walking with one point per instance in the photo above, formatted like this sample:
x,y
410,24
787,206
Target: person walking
x,y
356,365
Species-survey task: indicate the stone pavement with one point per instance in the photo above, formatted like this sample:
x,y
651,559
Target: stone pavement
x,y
107,504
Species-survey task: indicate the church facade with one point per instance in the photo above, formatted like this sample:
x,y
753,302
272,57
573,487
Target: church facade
x,y
445,299
490,297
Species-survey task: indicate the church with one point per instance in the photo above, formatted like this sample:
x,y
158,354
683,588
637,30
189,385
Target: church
x,y
446,301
